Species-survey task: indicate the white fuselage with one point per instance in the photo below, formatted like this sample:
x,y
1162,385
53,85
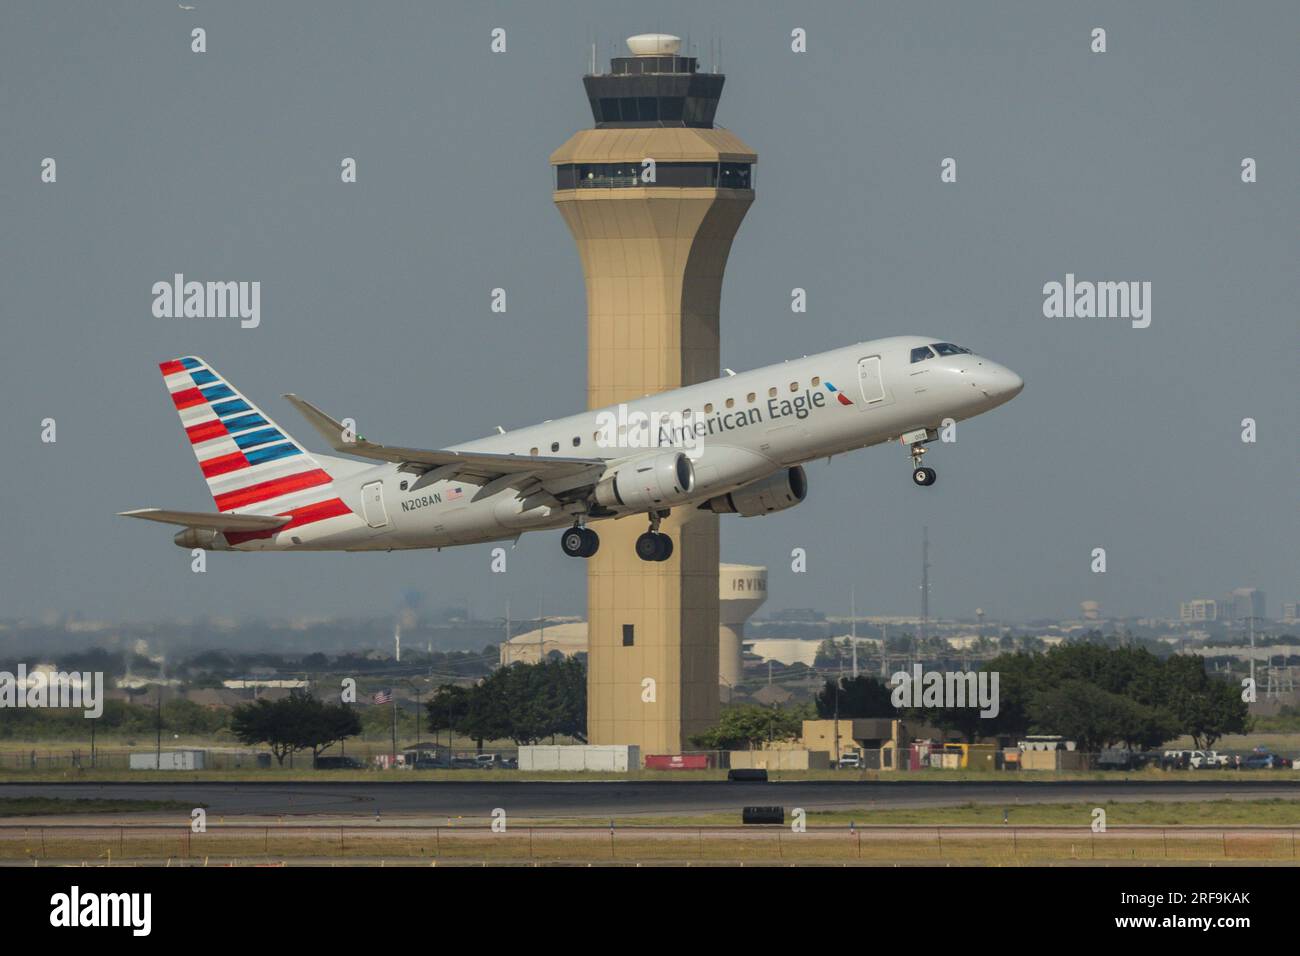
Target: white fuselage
x,y
745,427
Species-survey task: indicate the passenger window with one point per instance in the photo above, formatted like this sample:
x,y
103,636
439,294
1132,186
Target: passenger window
x,y
771,392
708,408
533,452
555,446
817,380
750,397
921,354
731,403
794,386
576,441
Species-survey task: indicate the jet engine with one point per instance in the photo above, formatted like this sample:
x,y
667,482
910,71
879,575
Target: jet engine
x,y
785,489
647,483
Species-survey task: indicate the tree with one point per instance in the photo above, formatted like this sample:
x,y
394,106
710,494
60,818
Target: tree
x,y
259,722
861,696
297,722
741,726
1203,706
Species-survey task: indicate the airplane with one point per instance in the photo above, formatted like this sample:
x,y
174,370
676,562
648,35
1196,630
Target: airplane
x,y
732,445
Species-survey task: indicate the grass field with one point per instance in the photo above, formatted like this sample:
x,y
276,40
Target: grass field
x,y
819,845
1266,812
54,806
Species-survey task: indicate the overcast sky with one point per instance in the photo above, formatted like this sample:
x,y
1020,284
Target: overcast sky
x,y
224,165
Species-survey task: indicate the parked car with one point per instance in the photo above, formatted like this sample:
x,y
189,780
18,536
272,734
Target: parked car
x,y
485,761
1176,760
1209,760
508,763
462,761
1263,760
851,761
339,763
1119,759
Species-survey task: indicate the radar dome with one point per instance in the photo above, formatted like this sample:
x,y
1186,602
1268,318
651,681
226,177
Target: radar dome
x,y
654,44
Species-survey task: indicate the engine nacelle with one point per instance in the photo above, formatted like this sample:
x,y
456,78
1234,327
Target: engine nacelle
x,y
785,489
647,483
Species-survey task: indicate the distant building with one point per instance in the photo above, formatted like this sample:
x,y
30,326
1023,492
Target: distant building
x,y
1202,609
536,645
1246,603
1289,612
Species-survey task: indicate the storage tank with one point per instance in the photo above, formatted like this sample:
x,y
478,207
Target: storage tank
x,y
741,589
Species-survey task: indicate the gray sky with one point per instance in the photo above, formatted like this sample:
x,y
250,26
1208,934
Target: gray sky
x,y
375,296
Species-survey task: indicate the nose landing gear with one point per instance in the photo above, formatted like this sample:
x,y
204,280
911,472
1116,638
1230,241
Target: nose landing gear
x,y
924,477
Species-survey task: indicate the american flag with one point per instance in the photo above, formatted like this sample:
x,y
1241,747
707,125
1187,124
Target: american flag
x,y
384,696
453,493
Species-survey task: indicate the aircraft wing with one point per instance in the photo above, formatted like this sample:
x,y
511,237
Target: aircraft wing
x,y
448,464
214,522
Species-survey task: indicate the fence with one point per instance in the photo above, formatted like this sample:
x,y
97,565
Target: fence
x,y
720,844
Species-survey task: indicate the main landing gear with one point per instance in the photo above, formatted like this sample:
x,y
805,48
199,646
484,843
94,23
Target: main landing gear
x,y
580,542
654,546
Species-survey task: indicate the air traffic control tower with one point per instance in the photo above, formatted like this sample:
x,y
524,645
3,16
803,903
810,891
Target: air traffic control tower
x,y
653,194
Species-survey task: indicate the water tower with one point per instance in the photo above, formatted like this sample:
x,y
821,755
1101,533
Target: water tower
x,y
742,588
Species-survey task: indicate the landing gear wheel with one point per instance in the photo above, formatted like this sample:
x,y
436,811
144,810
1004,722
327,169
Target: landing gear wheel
x,y
665,548
924,476
653,546
580,542
573,541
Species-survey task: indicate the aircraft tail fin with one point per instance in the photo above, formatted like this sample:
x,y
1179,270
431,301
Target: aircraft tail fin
x,y
251,464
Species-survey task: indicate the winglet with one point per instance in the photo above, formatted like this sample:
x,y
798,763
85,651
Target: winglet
x,y
332,431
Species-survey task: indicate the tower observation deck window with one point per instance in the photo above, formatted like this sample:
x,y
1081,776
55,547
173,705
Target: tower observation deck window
x,y
678,175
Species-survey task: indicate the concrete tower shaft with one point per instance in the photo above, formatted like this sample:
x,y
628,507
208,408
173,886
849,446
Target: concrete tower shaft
x,y
653,238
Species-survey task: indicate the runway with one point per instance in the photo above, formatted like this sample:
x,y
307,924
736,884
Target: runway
x,y
433,800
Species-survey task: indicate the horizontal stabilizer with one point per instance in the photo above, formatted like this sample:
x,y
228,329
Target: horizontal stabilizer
x,y
214,522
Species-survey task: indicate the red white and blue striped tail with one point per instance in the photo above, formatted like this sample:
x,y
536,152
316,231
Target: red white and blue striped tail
x,y
251,464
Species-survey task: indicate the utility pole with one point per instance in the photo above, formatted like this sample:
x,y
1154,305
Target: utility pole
x,y
853,628
157,757
925,580
1251,622
884,639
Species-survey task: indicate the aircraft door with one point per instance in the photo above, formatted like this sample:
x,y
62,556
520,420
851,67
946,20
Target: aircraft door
x,y
869,381
372,504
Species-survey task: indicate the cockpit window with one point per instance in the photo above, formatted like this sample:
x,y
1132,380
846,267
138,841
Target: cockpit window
x,y
947,348
921,354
